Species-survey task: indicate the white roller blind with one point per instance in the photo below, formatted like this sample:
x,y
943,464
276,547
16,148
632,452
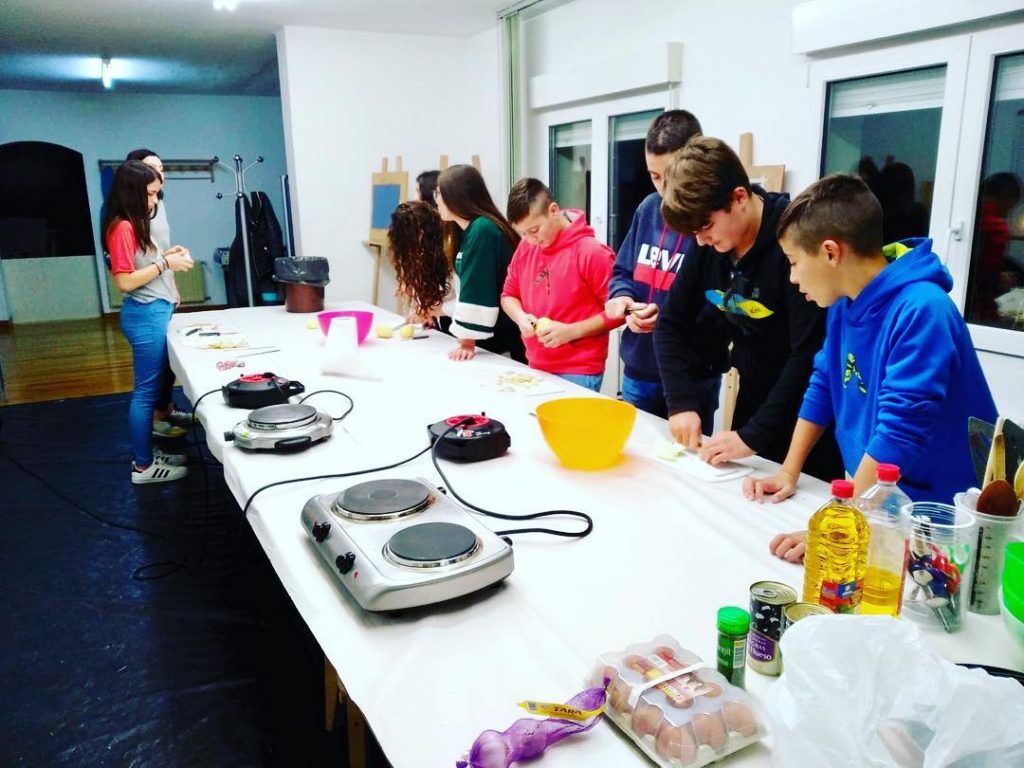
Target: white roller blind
x,y
1010,78
899,92
632,127
571,134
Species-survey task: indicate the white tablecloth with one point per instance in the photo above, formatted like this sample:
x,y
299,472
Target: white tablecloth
x,y
666,552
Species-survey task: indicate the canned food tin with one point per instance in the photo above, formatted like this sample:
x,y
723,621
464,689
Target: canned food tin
x,y
768,600
793,613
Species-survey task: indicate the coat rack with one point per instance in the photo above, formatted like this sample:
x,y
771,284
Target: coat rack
x,y
239,172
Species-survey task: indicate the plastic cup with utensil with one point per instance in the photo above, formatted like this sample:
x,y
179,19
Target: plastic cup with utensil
x,y
943,539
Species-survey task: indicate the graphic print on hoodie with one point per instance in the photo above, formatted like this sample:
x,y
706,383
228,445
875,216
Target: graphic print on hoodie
x,y
899,376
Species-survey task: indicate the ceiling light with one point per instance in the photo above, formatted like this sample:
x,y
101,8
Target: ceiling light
x,y
105,73
225,5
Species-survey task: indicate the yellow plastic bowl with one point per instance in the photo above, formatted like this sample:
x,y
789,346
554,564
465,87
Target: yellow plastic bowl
x,y
586,432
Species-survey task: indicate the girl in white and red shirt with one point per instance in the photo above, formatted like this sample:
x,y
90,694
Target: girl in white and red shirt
x,y
142,272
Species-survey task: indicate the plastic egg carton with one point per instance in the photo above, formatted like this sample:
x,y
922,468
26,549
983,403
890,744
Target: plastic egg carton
x,y
679,711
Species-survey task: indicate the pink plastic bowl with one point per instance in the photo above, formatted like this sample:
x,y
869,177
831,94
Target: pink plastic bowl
x,y
364,321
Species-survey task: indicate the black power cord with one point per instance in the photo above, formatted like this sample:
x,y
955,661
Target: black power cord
x,y
535,516
351,402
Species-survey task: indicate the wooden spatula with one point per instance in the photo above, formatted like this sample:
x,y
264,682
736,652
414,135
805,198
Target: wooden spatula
x,y
1018,482
995,469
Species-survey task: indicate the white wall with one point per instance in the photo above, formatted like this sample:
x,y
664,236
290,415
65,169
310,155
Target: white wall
x,y
106,126
351,98
738,75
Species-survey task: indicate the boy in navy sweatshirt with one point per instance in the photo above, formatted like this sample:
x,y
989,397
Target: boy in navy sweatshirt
x,y
733,305
898,373
645,268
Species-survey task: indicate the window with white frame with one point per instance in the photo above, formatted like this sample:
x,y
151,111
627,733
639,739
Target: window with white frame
x,y
628,180
995,292
885,129
569,171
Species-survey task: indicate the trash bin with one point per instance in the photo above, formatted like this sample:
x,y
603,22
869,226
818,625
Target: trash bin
x,y
304,281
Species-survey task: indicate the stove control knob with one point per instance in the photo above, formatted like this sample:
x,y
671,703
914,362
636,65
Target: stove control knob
x,y
321,531
345,562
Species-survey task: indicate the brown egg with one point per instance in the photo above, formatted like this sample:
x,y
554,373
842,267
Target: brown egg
x,y
676,741
710,730
646,718
604,673
618,696
666,653
740,718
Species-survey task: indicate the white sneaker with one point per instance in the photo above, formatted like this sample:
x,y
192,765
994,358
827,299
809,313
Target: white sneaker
x,y
157,472
170,459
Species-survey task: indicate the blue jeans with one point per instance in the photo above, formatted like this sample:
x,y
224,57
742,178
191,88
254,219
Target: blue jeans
x,y
589,380
145,327
649,396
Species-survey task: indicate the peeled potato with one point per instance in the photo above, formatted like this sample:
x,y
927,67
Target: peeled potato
x,y
384,331
312,324
541,324
407,331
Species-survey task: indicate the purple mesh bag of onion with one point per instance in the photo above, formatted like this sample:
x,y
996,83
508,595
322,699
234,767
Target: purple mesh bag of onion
x,y
527,737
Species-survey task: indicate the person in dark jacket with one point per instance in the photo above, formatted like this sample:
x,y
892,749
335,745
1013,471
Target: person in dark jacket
x,y
645,269
735,290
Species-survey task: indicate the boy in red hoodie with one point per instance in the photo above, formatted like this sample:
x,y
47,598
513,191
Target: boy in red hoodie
x,y
557,285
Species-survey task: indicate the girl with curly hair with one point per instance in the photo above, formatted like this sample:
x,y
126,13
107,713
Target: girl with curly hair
x,y
417,253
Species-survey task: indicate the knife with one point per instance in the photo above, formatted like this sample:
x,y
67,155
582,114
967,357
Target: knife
x,y
979,437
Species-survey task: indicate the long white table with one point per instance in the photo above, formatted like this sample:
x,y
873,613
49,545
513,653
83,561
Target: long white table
x,y
666,552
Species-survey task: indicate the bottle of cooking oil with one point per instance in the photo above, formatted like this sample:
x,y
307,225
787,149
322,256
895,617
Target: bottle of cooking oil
x,y
837,548
885,507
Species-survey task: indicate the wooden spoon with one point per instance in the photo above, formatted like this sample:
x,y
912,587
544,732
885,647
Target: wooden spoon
x,y
998,498
1018,482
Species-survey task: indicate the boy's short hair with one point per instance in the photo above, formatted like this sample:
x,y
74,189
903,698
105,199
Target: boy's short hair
x,y
524,197
837,207
670,131
700,180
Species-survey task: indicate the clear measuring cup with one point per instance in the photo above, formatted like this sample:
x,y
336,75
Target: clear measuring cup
x,y
993,533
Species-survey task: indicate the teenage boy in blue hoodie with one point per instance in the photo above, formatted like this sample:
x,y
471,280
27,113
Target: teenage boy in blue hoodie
x,y
645,268
898,374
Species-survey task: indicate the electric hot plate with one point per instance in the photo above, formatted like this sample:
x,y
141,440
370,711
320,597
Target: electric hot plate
x,y
397,543
284,428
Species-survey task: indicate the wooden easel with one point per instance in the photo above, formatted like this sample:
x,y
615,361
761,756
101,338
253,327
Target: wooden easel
x,y
770,178
378,239
474,161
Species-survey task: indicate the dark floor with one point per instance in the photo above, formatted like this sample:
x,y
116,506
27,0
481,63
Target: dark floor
x,y
208,666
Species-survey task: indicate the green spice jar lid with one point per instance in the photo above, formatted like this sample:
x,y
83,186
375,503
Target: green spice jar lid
x,y
733,620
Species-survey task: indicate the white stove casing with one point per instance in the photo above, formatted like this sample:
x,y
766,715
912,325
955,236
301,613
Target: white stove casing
x,y
354,552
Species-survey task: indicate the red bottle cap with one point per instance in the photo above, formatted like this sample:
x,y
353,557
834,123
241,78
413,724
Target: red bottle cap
x,y
842,489
887,473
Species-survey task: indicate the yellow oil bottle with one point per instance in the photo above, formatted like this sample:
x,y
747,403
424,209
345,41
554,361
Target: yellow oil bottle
x,y
836,558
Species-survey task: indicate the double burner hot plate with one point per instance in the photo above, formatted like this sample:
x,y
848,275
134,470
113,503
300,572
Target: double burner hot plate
x,y
397,543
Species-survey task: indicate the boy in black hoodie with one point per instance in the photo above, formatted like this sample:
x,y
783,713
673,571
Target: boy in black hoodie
x,y
735,289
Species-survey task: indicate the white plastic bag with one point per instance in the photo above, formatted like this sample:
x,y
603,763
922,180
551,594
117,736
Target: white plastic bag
x,y
864,691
